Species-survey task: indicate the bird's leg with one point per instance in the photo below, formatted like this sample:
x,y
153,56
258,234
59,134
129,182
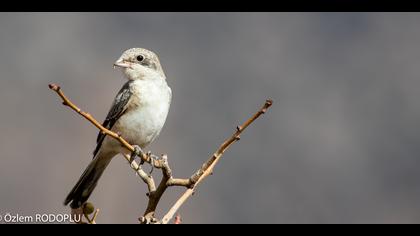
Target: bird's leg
x,y
137,152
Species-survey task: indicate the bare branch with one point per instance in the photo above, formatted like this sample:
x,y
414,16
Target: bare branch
x,y
208,166
147,179
155,196
180,182
167,180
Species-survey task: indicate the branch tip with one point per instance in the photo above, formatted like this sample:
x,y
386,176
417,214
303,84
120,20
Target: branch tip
x,y
54,87
267,104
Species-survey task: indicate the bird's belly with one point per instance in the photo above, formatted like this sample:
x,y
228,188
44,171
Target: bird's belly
x,y
142,125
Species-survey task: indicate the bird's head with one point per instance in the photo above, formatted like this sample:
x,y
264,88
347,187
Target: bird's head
x,y
140,63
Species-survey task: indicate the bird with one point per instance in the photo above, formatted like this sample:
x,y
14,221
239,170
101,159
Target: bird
x,y
138,113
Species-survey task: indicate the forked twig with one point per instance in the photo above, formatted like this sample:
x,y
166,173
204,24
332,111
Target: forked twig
x,y
154,193
208,166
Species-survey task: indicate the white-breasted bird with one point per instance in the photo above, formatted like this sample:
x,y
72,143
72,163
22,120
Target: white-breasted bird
x,y
138,114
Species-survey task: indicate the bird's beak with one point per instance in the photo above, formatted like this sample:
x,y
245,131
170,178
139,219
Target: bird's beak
x,y
121,63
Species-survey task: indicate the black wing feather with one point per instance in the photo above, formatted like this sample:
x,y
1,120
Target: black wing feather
x,y
117,110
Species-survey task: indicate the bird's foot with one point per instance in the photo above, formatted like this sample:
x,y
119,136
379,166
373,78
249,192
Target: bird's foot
x,y
153,160
137,152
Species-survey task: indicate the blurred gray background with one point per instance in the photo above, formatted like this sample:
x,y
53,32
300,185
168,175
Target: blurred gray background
x,y
340,144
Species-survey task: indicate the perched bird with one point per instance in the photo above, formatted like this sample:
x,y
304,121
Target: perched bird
x,y
138,114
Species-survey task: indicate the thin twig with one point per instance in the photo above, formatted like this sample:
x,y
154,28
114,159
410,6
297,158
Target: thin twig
x,y
208,167
93,220
147,179
155,196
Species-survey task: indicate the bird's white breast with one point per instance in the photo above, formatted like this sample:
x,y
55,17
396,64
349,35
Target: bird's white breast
x,y
146,113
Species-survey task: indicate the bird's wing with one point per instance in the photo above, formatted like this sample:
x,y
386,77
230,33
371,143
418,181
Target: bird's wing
x,y
119,106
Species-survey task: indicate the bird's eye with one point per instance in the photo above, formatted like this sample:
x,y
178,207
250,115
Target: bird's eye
x,y
140,58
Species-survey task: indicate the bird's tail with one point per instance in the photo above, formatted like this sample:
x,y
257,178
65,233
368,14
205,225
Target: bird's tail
x,y
87,182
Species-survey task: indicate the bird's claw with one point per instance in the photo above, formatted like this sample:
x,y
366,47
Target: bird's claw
x,y
137,152
153,160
